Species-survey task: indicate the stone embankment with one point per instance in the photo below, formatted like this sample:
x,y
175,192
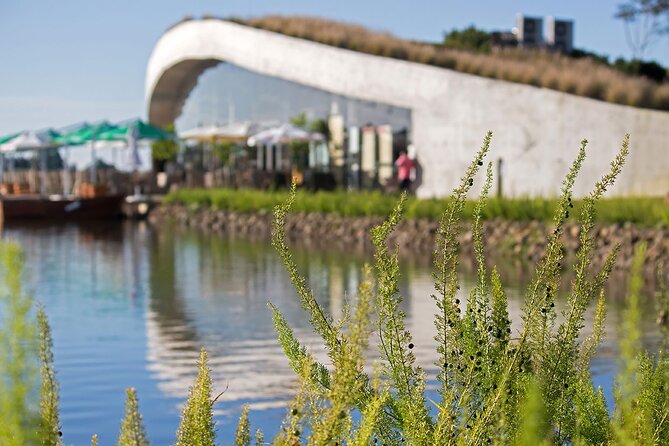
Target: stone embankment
x,y
524,241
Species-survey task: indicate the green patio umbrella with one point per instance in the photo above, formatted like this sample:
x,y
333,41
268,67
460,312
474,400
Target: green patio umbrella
x,y
133,131
137,129
87,133
8,138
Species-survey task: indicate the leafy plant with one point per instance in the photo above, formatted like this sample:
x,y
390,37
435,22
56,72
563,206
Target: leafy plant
x,y
197,420
470,38
132,429
18,354
243,435
165,150
50,425
533,387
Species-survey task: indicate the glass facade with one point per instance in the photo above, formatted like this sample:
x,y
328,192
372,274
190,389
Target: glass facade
x,y
228,93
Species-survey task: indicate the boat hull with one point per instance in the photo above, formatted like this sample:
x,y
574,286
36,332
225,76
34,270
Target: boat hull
x,y
17,208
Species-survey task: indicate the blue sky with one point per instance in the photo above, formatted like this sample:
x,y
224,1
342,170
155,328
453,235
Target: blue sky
x,y
72,60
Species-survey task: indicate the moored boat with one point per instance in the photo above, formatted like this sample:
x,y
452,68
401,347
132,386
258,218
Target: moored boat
x,y
60,208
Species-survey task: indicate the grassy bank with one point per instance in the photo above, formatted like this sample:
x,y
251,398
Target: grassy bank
x,y
644,211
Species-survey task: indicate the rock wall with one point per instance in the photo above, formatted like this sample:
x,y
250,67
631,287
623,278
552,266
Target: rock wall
x,y
524,241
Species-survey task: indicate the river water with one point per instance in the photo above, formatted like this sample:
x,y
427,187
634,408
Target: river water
x,y
132,306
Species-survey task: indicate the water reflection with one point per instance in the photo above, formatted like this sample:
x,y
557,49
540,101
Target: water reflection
x,y
132,306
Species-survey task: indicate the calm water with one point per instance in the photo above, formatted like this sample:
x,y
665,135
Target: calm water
x,y
131,306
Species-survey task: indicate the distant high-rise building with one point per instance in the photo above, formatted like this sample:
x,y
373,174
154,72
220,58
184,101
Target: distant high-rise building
x,y
529,31
560,34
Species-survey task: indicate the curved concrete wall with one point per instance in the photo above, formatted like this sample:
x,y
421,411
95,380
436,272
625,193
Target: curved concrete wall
x,y
537,131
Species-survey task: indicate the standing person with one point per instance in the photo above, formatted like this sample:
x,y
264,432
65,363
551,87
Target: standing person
x,y
404,166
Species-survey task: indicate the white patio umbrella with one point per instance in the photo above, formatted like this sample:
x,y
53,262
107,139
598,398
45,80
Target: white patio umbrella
x,y
283,134
234,132
31,140
27,140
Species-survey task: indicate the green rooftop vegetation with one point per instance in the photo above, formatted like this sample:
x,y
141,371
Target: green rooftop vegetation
x,y
635,83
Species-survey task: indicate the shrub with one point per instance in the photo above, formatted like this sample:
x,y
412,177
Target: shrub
x,y
644,211
531,388
197,419
468,39
132,429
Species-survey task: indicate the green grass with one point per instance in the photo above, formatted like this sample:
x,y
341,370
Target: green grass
x,y
643,211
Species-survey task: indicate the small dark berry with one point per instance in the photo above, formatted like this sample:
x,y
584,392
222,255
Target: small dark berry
x,y
552,304
457,301
294,412
471,182
410,345
566,386
480,163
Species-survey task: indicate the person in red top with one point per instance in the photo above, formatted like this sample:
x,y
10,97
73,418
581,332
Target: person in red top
x,y
404,166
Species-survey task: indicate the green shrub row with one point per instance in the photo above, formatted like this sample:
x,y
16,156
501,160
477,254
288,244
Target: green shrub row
x,y
644,211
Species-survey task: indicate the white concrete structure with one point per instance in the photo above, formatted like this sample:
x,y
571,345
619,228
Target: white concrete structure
x,y
537,131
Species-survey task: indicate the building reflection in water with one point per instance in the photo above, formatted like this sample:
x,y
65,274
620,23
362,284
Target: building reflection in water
x,y
209,291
